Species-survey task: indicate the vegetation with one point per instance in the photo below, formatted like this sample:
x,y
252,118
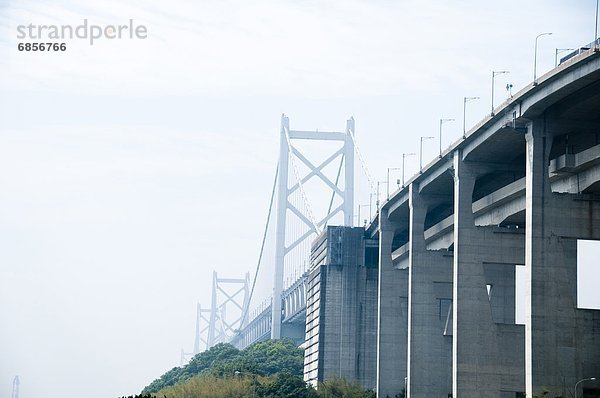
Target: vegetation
x,y
223,360
200,363
141,396
281,385
343,389
265,358
268,369
545,394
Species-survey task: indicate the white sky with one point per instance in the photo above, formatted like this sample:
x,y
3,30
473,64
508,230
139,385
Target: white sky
x,y
130,169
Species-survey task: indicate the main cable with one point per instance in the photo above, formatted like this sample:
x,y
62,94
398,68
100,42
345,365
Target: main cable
x,y
262,246
362,161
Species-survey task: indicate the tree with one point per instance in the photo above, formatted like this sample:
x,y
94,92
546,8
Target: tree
x,y
287,385
275,356
340,388
264,358
203,362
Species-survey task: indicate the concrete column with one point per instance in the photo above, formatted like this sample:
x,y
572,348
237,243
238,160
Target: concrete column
x,y
487,354
429,293
349,174
392,323
469,350
282,198
558,345
367,342
542,370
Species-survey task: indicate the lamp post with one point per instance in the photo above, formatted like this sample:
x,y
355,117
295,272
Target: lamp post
x,y
421,152
465,100
581,381
359,207
535,55
404,155
377,201
494,74
442,121
596,30
387,180
558,51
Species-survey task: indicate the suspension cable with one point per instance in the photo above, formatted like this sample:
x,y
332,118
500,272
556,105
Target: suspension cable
x,y
362,161
262,247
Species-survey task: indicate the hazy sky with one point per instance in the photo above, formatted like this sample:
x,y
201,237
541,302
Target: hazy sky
x,y
130,169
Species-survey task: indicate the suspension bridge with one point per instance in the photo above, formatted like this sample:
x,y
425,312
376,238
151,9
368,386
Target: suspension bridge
x,y
313,187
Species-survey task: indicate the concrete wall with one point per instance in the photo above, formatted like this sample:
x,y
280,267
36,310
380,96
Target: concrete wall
x,y
342,303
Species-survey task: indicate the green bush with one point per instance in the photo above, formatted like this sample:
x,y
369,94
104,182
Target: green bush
x,y
223,360
269,369
340,388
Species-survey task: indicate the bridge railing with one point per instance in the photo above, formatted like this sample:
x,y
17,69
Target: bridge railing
x,y
580,50
258,329
259,326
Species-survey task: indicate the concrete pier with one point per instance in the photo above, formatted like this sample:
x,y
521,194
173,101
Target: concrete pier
x,y
392,332
560,347
430,308
341,333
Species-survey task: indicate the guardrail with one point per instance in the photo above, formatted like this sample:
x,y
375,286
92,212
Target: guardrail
x,y
580,50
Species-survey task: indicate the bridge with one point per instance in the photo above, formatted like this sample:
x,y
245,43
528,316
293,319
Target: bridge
x,y
297,215
520,189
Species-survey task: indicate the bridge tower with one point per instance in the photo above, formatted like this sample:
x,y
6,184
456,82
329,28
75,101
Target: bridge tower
x,y
201,336
229,296
202,326
289,155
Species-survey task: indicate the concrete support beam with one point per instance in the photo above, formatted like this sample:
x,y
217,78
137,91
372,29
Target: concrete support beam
x,y
483,363
558,344
392,323
429,303
471,365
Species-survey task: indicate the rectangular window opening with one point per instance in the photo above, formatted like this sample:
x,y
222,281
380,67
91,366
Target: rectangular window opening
x,y
520,294
588,274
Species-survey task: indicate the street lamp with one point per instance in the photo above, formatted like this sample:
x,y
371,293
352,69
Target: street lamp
x,y
421,152
377,202
359,207
442,121
558,51
494,74
465,100
387,180
582,380
596,30
404,155
535,55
